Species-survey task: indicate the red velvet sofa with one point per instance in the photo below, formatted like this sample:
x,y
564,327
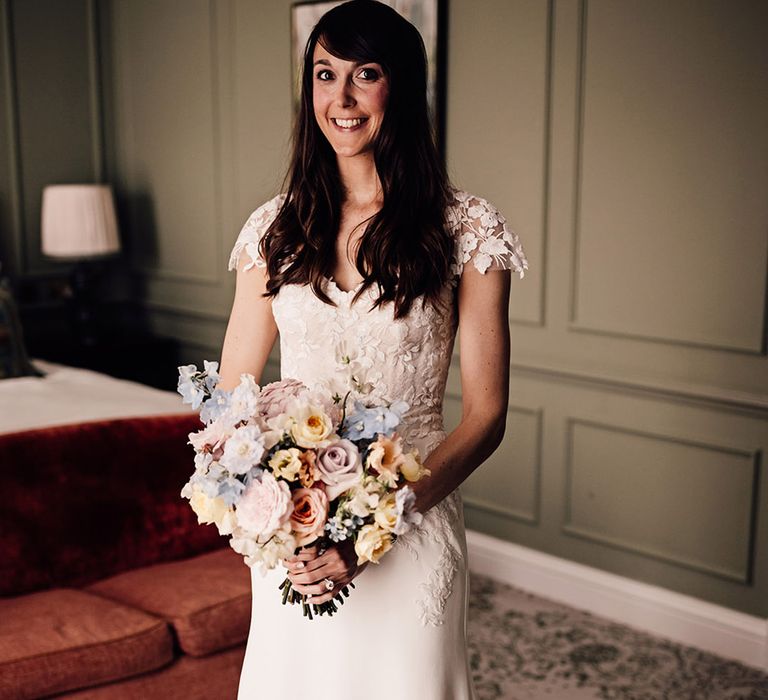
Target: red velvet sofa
x,y
109,588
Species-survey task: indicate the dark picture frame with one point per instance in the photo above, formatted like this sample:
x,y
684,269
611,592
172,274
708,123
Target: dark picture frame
x,y
428,16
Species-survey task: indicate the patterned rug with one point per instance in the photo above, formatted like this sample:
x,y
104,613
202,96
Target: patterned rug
x,y
523,646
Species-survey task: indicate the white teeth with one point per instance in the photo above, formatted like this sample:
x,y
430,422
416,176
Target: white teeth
x,y
348,123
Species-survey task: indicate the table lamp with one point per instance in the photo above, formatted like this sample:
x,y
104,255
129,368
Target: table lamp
x,y
79,224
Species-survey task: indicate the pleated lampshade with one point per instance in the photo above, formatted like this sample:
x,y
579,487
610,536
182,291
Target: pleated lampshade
x,y
78,221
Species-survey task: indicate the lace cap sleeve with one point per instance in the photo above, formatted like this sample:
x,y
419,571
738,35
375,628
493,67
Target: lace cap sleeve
x,y
251,233
482,236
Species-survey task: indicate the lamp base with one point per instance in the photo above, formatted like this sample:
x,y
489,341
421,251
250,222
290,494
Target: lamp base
x,y
84,305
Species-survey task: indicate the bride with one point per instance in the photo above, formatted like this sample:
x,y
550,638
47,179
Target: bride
x,y
369,261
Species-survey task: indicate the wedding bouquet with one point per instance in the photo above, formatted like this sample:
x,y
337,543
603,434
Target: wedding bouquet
x,y
281,467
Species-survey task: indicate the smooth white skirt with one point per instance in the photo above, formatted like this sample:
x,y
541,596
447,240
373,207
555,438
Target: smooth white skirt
x,y
401,633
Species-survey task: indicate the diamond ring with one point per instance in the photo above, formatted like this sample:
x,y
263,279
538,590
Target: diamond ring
x,y
328,584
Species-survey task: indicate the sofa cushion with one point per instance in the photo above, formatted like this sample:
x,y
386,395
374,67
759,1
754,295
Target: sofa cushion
x,y
212,677
89,500
62,639
207,599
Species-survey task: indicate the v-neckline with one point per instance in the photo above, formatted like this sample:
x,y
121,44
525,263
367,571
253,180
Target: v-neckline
x,y
345,292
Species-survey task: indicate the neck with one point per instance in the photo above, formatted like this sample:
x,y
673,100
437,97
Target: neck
x,y
360,181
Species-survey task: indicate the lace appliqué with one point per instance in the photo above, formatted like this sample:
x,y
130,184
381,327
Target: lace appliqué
x,y
437,525
483,236
253,230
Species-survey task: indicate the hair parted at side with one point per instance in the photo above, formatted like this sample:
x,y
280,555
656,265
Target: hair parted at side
x,y
406,247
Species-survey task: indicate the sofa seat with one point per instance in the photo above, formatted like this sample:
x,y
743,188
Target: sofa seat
x,y
212,677
61,639
206,599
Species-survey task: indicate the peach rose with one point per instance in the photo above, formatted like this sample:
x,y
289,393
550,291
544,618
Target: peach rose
x,y
310,511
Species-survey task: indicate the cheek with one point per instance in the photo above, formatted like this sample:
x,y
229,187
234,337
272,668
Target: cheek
x,y
379,99
319,103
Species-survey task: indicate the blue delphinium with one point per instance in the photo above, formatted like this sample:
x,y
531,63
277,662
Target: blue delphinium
x,y
189,386
211,372
216,405
364,422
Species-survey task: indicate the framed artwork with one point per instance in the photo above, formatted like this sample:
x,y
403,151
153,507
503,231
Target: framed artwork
x,y
428,16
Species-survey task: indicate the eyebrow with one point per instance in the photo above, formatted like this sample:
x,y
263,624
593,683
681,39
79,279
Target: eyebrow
x,y
326,62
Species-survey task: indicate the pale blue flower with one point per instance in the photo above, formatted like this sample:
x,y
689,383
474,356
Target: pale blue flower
x,y
211,375
190,389
216,405
365,422
405,507
230,490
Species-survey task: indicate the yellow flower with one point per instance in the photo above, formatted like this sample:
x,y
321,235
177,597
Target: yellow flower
x,y
412,468
208,510
372,542
386,512
286,463
312,427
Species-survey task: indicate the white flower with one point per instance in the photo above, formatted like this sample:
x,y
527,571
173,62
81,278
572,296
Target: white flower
x,y
243,450
244,400
365,497
407,515
265,553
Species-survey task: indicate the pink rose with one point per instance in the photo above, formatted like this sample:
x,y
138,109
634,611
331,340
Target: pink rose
x,y
275,396
339,467
310,511
264,506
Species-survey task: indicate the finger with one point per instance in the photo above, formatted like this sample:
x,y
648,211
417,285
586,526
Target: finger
x,y
315,576
305,554
318,593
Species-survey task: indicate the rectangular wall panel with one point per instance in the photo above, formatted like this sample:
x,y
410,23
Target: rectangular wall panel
x,y
509,482
164,59
690,503
672,210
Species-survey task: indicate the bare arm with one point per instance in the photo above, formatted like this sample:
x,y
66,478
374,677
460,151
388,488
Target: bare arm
x,y
251,330
483,301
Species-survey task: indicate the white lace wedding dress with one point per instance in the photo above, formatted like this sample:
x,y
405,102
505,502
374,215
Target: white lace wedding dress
x,y
401,634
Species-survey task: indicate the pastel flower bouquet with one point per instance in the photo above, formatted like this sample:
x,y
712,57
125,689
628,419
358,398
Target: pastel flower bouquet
x,y
282,467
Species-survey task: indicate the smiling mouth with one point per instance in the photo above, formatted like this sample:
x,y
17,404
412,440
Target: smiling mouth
x,y
349,124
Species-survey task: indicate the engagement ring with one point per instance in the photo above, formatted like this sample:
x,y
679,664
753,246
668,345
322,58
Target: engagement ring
x,y
329,584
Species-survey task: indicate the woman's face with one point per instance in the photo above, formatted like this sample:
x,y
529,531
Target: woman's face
x,y
349,101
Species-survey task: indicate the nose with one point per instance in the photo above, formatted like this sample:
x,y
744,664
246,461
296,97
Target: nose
x,y
344,94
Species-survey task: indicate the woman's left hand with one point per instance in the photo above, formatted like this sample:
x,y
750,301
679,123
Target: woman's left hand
x,y
309,570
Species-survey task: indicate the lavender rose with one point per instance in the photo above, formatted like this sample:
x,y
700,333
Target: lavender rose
x,y
339,467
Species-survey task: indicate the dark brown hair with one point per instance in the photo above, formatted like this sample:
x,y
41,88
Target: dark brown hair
x,y
406,247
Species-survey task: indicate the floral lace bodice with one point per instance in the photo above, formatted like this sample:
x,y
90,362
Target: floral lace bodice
x,y
405,359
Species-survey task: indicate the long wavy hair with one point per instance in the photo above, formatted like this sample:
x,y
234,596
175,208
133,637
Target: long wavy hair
x,y
406,248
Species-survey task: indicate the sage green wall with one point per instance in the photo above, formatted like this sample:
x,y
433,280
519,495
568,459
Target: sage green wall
x,y
50,123
624,141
